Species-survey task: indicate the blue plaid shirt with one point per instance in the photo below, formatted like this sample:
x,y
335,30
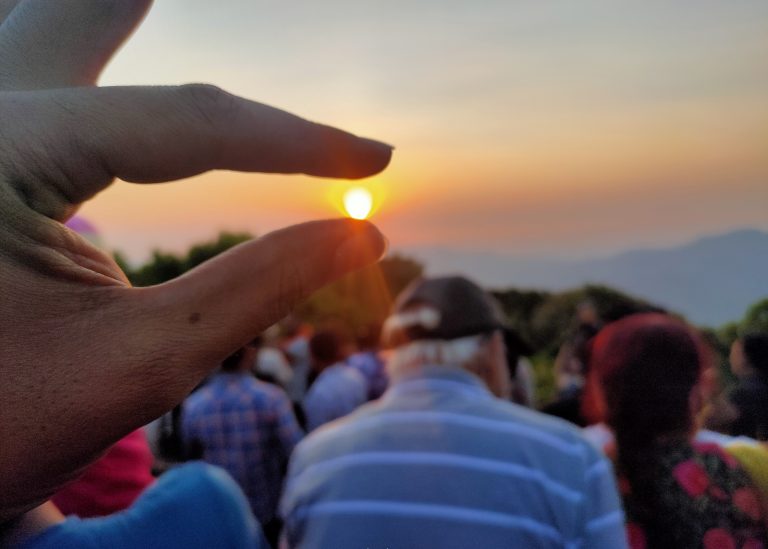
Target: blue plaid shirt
x,y
248,428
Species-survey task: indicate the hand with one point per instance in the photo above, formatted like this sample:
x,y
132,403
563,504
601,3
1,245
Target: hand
x,y
85,359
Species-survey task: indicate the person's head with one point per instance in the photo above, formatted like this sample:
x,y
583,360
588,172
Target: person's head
x,y
448,321
368,337
648,369
749,354
325,349
257,342
586,313
645,369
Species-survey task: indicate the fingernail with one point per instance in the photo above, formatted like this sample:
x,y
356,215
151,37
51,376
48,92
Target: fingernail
x,y
379,144
365,245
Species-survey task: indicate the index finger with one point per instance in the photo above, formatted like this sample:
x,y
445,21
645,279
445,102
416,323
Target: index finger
x,y
155,134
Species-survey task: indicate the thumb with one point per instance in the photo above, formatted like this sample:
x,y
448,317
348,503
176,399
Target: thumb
x,y
219,306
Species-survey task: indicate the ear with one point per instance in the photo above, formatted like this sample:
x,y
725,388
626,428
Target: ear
x,y
496,375
696,401
593,405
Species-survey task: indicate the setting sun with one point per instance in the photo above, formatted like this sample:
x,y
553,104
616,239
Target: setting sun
x,y
358,202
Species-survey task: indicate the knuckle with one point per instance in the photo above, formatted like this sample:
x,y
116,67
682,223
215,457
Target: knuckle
x,y
210,102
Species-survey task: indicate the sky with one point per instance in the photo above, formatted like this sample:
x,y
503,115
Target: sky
x,y
556,127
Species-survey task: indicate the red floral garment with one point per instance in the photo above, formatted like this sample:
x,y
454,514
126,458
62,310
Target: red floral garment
x,y
704,499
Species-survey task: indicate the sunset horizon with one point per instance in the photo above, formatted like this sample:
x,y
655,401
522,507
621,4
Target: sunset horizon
x,y
519,129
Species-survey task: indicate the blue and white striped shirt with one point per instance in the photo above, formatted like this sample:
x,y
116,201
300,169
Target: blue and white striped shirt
x,y
439,462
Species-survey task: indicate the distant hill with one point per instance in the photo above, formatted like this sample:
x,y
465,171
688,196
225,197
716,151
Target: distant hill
x,y
711,280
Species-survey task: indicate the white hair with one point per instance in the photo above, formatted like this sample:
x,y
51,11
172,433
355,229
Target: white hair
x,y
457,353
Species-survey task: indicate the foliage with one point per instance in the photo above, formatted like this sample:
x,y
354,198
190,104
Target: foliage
x,y
544,374
399,271
364,298
122,262
519,306
545,319
756,318
164,266
357,301
208,250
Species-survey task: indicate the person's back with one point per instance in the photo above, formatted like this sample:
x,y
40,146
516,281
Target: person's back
x,y
439,461
247,427
646,384
112,483
706,498
338,388
192,506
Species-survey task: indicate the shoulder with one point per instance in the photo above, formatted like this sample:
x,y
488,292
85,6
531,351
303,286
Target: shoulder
x,y
556,446
336,376
354,376
263,389
196,401
195,505
550,439
262,394
333,438
199,500
546,425
275,398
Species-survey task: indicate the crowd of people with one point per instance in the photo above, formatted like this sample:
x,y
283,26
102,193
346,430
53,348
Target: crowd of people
x,y
421,433
419,438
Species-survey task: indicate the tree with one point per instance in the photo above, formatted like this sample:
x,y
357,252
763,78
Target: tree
x,y
756,318
362,299
545,319
519,307
358,301
164,266
399,271
123,263
200,253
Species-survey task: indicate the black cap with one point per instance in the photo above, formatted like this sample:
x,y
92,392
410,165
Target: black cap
x,y
441,308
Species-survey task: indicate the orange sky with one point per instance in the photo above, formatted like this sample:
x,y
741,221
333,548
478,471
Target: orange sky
x,y
523,127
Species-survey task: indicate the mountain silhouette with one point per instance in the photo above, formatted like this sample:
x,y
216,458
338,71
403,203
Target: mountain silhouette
x,y
712,280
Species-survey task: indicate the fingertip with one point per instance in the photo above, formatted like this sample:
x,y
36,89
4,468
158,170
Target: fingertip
x,y
365,244
374,157
378,242
336,153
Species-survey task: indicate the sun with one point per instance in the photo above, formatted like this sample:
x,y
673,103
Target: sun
x,y
358,202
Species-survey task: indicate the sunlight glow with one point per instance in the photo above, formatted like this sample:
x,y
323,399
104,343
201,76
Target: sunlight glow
x,y
358,202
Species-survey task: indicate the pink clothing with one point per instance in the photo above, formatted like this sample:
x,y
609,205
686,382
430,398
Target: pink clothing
x,y
112,483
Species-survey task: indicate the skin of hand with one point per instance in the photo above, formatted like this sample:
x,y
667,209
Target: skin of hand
x,y
85,358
